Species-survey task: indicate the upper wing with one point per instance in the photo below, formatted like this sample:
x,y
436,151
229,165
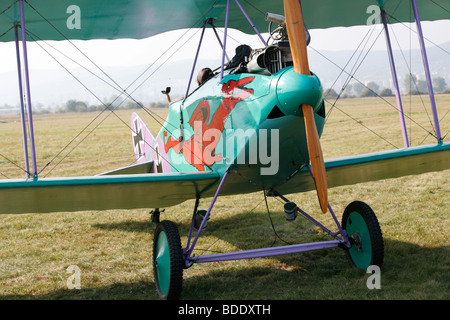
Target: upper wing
x,y
114,19
102,192
375,166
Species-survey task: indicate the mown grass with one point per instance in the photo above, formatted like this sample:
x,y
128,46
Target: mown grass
x,y
113,248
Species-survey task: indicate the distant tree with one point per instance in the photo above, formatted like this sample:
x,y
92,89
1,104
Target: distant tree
x,y
75,106
71,106
348,90
410,82
368,93
81,106
439,84
422,86
158,104
372,85
92,108
386,92
358,88
330,94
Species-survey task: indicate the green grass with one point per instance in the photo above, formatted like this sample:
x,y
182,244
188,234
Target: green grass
x,y
113,248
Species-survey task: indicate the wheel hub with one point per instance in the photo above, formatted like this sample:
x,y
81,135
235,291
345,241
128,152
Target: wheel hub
x,y
357,241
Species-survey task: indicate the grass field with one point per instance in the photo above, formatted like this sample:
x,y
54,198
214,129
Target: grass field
x,y
113,248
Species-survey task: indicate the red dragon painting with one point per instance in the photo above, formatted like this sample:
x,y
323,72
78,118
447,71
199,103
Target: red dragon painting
x,y
194,149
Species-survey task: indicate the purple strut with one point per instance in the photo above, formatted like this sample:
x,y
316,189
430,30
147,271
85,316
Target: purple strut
x,y
427,70
251,22
195,60
218,39
225,39
22,107
394,78
27,80
188,250
267,252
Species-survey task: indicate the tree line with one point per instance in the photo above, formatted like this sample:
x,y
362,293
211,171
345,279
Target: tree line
x,y
412,86
73,105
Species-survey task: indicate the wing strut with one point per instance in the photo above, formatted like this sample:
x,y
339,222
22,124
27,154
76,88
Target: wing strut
x,y
27,82
427,70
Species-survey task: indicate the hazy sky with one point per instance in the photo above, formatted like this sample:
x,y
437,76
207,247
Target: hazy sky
x,y
141,52
168,47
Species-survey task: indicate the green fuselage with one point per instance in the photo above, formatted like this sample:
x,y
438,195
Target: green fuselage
x,y
251,123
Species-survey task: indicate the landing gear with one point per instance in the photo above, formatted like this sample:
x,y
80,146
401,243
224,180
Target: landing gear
x,y
363,230
359,234
168,262
155,214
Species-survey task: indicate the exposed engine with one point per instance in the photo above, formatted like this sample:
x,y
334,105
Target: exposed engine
x,y
274,57
270,59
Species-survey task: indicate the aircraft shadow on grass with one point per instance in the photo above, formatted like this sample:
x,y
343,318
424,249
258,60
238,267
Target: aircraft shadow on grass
x,y
323,274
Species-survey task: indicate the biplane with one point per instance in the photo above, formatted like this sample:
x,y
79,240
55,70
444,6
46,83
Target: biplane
x,y
254,123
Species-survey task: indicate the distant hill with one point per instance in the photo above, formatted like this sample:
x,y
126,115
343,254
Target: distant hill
x,y
375,66
53,88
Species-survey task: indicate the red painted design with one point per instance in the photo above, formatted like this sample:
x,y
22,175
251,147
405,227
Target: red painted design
x,y
195,150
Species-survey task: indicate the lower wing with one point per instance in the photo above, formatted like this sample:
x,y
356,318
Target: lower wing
x,y
122,189
375,166
104,192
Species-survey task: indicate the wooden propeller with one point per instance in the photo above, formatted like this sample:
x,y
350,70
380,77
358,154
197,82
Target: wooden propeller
x,y
297,38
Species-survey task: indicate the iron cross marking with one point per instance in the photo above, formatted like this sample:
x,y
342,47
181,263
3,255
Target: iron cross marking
x,y
137,137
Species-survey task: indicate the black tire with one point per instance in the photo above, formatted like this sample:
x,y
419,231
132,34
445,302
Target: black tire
x,y
168,262
364,232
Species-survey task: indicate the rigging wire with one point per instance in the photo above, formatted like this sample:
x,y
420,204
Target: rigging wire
x,y
276,235
13,163
440,6
350,75
123,91
9,7
107,107
4,33
371,30
347,114
415,84
412,30
374,92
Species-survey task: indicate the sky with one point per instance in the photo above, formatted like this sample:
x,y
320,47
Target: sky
x,y
128,52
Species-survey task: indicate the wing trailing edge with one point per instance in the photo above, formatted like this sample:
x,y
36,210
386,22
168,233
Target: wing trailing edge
x,y
145,167
104,192
138,19
375,166
159,190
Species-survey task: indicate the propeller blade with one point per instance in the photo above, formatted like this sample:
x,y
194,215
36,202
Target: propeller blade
x,y
316,157
297,39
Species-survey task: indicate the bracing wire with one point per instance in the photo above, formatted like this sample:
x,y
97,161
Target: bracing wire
x,y
276,235
351,76
415,84
123,91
